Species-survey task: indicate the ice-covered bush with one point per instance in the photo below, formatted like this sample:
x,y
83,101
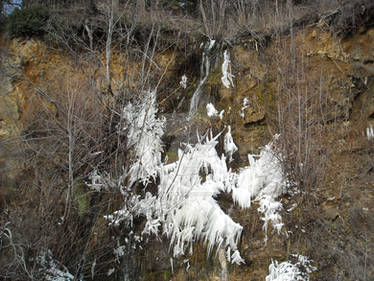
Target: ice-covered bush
x,y
144,131
291,271
51,270
262,181
183,208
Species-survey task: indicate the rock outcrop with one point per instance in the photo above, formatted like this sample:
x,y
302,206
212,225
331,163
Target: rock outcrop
x,y
339,70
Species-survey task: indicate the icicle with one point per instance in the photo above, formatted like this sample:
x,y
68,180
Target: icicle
x,y
370,132
172,265
221,114
229,145
183,81
211,44
226,71
204,72
93,269
245,105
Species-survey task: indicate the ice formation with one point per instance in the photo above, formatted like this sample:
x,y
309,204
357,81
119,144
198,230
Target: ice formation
x,y
211,110
184,207
229,145
144,131
220,115
226,71
204,73
289,271
211,44
51,269
244,107
183,81
370,132
186,201
262,181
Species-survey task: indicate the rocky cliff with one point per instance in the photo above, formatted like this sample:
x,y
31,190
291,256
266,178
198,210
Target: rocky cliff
x,y
332,87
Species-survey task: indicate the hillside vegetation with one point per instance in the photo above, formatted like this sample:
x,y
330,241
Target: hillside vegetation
x,y
187,140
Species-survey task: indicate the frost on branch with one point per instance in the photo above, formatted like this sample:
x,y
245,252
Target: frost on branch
x,y
51,270
99,182
262,181
144,132
291,271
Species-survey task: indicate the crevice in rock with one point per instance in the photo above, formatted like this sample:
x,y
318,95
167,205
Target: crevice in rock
x,y
260,122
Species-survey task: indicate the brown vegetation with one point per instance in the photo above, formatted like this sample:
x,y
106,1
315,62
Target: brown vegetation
x,y
75,129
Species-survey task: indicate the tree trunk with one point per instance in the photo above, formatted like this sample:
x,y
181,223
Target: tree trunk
x,y
90,36
140,8
203,15
115,5
108,50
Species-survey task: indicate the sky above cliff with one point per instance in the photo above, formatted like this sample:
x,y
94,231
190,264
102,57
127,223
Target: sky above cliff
x,y
8,8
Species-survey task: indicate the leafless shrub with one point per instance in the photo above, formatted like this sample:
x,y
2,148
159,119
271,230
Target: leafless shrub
x,y
298,117
59,212
77,128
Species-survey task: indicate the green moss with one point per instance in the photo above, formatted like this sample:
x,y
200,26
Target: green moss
x,y
266,93
172,156
157,275
167,27
214,77
81,198
166,274
213,84
27,22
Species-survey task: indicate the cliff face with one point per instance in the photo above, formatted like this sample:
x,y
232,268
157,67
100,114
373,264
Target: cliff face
x,y
335,77
330,222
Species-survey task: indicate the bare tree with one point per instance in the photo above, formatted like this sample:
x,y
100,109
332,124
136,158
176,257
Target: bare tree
x,y
108,45
140,8
213,14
